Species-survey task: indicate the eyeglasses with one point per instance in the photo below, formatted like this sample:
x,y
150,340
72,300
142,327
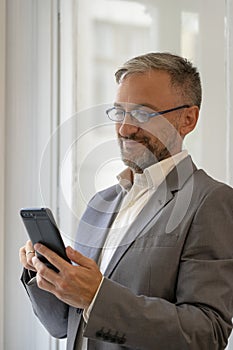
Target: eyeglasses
x,y
118,114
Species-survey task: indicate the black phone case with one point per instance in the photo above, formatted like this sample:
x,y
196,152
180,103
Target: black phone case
x,y
42,228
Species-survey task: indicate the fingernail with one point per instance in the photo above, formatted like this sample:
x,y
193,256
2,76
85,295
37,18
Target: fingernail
x,y
70,250
37,246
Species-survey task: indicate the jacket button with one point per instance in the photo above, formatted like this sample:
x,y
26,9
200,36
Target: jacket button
x,y
100,333
113,339
107,336
122,340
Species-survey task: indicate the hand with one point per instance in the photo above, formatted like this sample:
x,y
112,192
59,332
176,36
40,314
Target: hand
x,y
26,253
74,285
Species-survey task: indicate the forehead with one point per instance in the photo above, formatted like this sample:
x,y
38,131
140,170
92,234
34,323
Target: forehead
x,y
152,87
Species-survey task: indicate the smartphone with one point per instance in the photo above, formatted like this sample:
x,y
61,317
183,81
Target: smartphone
x,y
42,228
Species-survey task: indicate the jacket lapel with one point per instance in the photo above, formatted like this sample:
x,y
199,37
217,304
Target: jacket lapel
x,y
97,220
152,210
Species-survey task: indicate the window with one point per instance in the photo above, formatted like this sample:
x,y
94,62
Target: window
x,y
106,33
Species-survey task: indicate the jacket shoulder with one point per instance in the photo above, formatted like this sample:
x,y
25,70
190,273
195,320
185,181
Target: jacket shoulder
x,y
206,185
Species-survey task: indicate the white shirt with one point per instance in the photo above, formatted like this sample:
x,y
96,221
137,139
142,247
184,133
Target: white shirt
x,y
143,187
138,194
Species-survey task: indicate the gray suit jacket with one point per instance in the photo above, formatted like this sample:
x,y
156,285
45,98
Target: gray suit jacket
x,y
169,284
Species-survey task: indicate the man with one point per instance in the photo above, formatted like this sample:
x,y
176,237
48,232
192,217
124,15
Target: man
x,y
154,254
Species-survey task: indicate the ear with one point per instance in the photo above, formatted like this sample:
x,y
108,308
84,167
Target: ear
x,y
189,120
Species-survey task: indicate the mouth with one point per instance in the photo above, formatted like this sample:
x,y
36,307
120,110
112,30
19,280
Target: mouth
x,y
132,144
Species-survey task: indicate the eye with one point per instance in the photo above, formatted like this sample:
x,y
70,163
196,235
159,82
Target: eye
x,y
119,114
119,111
140,115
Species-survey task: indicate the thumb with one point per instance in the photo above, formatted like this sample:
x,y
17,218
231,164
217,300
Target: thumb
x,y
78,258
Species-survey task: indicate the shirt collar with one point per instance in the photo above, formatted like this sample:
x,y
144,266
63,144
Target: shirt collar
x,y
152,176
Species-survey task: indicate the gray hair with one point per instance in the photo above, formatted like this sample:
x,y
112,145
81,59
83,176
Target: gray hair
x,y
183,74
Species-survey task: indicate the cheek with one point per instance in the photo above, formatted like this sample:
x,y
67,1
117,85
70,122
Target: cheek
x,y
152,128
160,130
151,133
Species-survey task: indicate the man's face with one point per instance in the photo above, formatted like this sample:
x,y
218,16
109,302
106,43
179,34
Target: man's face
x,y
143,144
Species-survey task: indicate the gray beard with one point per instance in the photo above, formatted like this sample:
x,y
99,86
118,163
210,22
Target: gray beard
x,y
148,157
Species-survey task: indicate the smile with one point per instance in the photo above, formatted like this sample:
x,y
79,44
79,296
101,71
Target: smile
x,y
130,144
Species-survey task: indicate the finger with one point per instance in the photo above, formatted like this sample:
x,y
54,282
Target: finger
x,y
78,258
29,246
25,260
44,272
30,253
22,256
51,256
43,283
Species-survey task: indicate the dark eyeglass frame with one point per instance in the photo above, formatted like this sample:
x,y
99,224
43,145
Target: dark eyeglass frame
x,y
147,114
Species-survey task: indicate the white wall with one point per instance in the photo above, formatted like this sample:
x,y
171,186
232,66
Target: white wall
x,y
2,162
29,121
229,83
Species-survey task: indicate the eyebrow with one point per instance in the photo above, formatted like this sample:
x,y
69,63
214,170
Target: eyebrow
x,y
137,105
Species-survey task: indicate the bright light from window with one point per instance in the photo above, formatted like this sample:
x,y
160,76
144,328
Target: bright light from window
x,y
190,30
121,12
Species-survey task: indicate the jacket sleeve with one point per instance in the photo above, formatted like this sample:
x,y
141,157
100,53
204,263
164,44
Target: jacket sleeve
x,y
52,312
200,317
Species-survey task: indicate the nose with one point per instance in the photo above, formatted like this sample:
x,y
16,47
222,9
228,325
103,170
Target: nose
x,y
127,127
